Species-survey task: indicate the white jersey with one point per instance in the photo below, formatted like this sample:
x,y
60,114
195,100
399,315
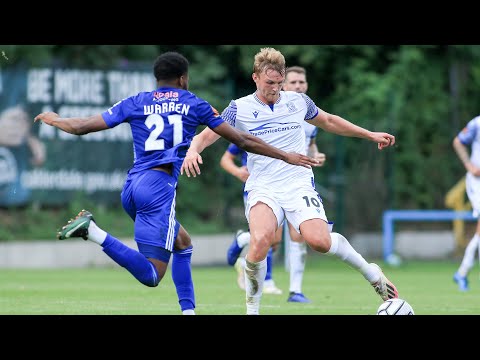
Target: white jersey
x,y
280,125
310,133
470,136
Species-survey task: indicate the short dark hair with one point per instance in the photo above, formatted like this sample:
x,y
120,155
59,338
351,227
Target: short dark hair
x,y
170,65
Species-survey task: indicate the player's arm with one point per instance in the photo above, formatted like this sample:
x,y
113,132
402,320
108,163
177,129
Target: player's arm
x,y
193,158
256,145
462,152
244,141
227,162
338,125
38,150
73,125
313,152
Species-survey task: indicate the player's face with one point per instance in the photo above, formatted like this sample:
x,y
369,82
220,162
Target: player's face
x,y
295,82
269,83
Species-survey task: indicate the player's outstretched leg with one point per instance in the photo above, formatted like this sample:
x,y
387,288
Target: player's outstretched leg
x,y
84,226
341,248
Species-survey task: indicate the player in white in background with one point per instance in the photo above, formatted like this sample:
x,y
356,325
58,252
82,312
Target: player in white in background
x,y
469,136
295,80
277,190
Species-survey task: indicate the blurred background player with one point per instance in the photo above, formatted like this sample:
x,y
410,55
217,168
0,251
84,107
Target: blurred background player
x,y
19,150
163,123
469,136
295,80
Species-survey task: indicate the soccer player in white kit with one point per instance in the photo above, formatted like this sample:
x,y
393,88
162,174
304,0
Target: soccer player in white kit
x,y
295,80
277,190
469,136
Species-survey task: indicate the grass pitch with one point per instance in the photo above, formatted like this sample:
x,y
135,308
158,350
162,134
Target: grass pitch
x,y
333,287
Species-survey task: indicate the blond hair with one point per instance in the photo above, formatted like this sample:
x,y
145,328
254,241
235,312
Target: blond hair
x,y
269,59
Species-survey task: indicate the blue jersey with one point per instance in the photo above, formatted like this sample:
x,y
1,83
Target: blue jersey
x,y
163,123
238,152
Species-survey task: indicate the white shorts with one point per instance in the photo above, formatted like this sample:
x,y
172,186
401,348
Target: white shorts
x,y
296,203
472,184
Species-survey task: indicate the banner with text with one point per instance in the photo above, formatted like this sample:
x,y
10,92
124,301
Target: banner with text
x,y
38,162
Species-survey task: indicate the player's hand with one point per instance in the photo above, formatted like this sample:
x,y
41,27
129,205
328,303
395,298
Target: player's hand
x,y
383,139
191,163
38,150
301,160
320,157
475,171
242,173
47,117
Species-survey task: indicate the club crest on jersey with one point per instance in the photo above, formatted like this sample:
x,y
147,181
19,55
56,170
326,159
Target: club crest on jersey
x,y
161,96
291,106
255,114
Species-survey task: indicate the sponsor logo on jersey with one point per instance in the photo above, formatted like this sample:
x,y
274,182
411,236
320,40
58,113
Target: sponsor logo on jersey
x,y
291,106
162,96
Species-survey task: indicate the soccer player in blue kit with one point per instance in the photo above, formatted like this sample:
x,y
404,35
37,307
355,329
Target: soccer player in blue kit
x,y
163,123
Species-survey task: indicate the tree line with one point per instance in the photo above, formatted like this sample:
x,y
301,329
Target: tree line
x,y
423,94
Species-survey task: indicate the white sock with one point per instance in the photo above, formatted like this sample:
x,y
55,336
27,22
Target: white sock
x,y
342,249
96,234
243,239
254,278
297,257
469,256
241,262
188,312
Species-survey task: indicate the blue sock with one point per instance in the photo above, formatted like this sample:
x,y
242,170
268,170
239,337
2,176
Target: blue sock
x,y
182,277
268,276
136,263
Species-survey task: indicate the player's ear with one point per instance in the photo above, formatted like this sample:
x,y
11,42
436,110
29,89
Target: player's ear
x,y
184,81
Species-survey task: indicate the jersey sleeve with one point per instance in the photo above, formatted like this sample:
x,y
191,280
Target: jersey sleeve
x,y
312,109
230,113
208,115
234,149
468,133
119,112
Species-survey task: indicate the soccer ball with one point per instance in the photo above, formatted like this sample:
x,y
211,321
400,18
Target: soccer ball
x,y
395,307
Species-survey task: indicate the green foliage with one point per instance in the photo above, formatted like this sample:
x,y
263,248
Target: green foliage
x,y
423,94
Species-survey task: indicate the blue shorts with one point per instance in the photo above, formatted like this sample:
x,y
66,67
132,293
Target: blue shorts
x,y
149,198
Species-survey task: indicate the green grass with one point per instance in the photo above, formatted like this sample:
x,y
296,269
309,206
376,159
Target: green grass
x,y
333,287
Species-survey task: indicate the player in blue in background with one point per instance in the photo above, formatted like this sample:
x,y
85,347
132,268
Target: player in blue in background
x,y
163,123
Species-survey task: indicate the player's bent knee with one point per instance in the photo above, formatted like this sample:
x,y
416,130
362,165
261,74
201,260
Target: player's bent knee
x,y
320,244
